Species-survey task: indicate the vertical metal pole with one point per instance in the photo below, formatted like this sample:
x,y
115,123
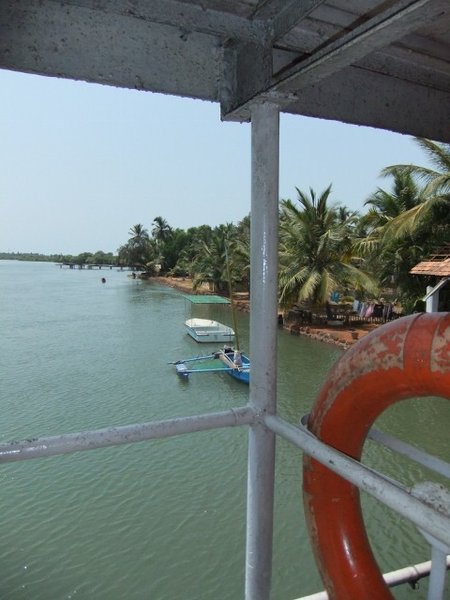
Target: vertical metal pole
x,y
263,348
438,574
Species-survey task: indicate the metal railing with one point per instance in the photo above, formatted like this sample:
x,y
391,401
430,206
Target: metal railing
x,y
430,519
260,414
411,575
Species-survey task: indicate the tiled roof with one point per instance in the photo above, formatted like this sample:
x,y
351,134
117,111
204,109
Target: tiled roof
x,y
431,267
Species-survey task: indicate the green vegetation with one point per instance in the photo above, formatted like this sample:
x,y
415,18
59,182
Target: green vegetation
x,y
323,246
29,256
408,223
316,251
85,258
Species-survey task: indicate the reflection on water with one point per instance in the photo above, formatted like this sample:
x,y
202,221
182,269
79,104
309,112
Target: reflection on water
x,y
160,519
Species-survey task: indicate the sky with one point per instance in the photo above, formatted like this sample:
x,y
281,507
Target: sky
x,y
82,163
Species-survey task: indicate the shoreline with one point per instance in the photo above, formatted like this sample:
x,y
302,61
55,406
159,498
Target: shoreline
x,y
343,337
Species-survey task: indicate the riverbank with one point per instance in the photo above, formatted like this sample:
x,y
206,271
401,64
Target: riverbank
x,y
343,337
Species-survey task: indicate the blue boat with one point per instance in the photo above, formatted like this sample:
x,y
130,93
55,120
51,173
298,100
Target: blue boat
x,y
227,360
237,363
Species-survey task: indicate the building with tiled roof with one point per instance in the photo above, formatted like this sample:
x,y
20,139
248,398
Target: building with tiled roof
x,y
437,265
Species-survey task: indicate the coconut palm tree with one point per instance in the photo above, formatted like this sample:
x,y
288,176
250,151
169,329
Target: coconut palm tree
x,y
161,230
316,250
138,232
167,241
405,224
375,228
239,254
190,248
210,259
435,196
385,205
138,251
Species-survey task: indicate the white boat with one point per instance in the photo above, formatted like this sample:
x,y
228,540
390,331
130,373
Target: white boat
x,y
207,330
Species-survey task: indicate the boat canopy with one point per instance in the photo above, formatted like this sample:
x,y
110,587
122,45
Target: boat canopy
x,y
202,299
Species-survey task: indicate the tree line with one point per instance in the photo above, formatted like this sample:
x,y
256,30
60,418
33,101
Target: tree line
x,y
85,258
323,246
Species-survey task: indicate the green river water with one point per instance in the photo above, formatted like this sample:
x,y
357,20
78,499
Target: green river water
x,y
164,519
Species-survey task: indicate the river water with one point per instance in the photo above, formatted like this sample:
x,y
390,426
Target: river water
x,y
163,519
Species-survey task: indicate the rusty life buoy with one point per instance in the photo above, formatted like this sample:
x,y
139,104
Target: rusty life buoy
x,y
406,358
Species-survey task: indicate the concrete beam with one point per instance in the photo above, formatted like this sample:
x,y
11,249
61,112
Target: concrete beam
x,y
381,101
247,68
395,22
284,15
184,16
81,43
379,31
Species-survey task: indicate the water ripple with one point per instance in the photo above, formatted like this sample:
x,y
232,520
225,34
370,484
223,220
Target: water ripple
x,y
159,519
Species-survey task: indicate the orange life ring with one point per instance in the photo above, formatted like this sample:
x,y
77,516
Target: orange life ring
x,y
406,358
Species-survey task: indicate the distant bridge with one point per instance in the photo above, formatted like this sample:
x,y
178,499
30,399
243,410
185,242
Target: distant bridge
x,y
96,266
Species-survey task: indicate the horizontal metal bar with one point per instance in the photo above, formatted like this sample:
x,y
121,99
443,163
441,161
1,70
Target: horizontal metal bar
x,y
113,436
427,460
180,362
410,574
388,491
219,370
423,458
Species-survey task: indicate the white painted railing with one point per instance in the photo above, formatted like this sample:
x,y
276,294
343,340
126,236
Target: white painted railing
x,y
432,522
260,414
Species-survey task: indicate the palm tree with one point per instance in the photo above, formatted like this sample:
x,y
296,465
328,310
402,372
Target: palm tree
x,y
316,250
138,251
188,253
391,255
435,196
161,230
210,259
406,224
138,232
377,226
385,206
239,254
163,237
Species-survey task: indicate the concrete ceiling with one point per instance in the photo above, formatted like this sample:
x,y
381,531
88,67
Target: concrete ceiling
x,y
382,63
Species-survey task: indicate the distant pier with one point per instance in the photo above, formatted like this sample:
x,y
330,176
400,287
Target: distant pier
x,y
69,265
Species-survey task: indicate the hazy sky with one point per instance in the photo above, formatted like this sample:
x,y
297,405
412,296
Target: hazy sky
x,y
82,163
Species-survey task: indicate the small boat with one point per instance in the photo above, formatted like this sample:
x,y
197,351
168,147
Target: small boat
x,y
207,330
227,360
238,362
